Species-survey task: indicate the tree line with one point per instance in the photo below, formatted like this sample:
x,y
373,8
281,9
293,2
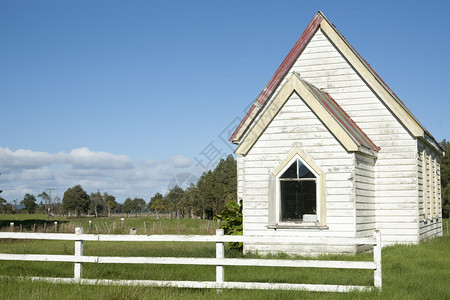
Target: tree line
x,y
204,199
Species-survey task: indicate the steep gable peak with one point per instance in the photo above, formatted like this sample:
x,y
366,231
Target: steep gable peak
x,y
362,68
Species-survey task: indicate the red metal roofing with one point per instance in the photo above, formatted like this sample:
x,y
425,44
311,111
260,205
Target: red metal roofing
x,y
353,130
283,68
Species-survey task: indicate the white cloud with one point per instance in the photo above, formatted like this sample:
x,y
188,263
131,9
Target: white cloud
x,y
179,161
27,171
150,162
84,158
24,158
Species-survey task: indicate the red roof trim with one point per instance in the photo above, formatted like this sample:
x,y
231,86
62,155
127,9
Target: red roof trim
x,y
283,68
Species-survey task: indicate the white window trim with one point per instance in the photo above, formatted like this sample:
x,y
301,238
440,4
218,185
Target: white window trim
x,y
278,191
296,153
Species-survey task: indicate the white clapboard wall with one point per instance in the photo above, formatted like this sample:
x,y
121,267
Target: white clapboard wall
x,y
363,193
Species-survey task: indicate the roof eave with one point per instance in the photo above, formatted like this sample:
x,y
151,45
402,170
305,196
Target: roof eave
x,y
431,141
296,85
378,86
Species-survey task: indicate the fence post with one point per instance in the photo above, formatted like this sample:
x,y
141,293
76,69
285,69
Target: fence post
x,y
78,252
377,279
220,253
11,226
56,226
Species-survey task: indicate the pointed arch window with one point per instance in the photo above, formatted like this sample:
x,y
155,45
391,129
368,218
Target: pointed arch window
x,y
298,192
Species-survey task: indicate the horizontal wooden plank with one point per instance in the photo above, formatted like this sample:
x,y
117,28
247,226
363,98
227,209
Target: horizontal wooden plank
x,y
181,238
292,249
395,186
366,227
208,284
406,193
193,261
395,219
340,213
309,74
48,257
365,213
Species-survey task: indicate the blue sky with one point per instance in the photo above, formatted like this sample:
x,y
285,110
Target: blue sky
x,y
122,96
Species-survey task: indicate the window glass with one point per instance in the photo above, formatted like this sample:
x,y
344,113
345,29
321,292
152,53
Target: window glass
x,y
303,171
291,172
297,192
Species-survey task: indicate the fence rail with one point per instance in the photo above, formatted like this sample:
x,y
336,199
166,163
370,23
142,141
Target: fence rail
x,y
220,261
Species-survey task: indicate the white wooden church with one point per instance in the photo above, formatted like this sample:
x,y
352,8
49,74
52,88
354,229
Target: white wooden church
x,y
328,149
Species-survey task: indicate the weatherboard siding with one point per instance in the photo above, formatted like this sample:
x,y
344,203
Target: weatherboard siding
x,y
387,191
430,206
364,195
397,157
296,125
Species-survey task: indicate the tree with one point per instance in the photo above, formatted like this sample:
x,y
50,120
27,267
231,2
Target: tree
x,y
231,218
41,208
217,187
157,204
75,200
29,201
139,205
57,206
14,206
127,206
44,196
189,201
110,203
3,203
173,200
97,203
445,179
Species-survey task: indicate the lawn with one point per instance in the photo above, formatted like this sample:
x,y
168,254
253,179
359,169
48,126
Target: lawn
x,y
409,272
143,224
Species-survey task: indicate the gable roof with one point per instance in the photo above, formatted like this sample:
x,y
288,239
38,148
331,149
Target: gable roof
x,y
367,73
323,105
353,130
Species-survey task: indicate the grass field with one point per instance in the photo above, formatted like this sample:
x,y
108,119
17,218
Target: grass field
x,y
409,271
143,224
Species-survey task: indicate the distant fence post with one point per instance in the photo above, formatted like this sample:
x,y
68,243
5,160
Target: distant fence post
x,y
56,226
220,253
78,252
122,223
377,280
90,226
11,226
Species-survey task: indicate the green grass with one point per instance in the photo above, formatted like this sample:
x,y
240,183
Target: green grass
x,y
143,224
409,272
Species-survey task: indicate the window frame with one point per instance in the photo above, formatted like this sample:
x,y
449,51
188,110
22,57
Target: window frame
x,y
278,178
275,197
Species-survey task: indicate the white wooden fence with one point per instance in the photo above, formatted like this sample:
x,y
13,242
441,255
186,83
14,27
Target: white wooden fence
x,y
220,261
